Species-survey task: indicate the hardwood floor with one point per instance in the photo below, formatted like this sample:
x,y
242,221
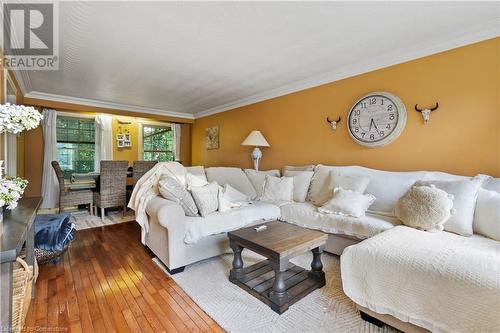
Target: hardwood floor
x,y
107,282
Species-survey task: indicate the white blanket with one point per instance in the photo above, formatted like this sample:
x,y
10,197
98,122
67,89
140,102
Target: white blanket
x,y
440,281
146,189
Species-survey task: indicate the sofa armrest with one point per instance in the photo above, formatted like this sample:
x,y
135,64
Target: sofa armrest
x,y
169,214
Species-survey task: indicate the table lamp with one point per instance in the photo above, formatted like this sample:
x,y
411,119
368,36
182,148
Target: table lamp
x,y
256,139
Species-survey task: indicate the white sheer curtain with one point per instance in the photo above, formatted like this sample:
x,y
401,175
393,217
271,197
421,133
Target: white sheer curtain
x,y
50,186
103,139
176,129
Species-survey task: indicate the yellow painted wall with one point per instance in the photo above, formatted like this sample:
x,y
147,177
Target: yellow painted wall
x,y
129,154
462,137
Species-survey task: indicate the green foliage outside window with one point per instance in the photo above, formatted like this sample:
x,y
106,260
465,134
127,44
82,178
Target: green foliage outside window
x,y
75,144
157,143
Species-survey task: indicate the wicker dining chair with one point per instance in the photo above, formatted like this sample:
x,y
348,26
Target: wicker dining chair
x,y
68,197
141,167
112,186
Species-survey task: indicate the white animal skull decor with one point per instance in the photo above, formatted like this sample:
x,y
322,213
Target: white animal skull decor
x,y
426,113
333,123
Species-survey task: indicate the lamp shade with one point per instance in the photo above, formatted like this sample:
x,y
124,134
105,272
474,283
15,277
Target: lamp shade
x,y
256,139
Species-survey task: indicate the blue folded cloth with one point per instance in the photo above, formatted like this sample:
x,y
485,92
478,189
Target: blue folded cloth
x,y
53,232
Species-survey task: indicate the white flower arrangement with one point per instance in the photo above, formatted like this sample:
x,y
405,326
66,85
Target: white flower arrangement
x,y
11,190
17,118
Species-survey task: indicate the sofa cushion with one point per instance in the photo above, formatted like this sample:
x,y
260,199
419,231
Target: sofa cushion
x,y
437,280
487,214
258,178
309,167
386,186
492,184
301,183
306,215
198,171
232,176
464,203
219,222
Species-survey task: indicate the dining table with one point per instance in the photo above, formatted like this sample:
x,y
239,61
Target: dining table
x,y
90,181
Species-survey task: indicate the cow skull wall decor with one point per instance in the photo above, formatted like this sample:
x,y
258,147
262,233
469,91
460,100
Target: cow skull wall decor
x,y
426,113
333,123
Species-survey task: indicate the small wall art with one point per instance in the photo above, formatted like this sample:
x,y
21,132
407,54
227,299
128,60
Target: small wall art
x,y
212,137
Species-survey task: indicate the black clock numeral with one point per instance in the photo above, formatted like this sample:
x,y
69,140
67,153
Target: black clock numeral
x,y
356,129
388,126
372,137
389,107
382,101
391,116
373,100
363,105
363,135
381,133
357,112
354,121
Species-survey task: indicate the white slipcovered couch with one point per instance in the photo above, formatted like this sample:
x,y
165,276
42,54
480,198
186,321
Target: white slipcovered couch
x,y
409,278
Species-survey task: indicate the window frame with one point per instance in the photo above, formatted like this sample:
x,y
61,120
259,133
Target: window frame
x,y
82,116
140,149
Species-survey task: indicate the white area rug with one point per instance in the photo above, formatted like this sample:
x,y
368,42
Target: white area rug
x,y
83,219
325,310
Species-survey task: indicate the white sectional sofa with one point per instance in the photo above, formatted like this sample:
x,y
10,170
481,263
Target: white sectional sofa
x,y
411,279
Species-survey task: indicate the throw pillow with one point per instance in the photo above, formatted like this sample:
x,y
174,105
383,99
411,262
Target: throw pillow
x,y
206,198
487,215
347,202
301,182
347,182
425,208
171,189
258,178
198,171
230,198
278,190
465,193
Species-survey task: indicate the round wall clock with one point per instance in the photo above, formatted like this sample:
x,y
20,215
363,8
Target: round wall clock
x,y
376,119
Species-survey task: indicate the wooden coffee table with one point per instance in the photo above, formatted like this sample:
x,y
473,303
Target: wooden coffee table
x,y
275,281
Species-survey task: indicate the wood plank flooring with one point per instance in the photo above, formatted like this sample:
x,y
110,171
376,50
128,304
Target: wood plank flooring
x,y
107,282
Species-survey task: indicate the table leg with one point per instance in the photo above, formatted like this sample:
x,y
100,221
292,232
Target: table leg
x,y
279,294
237,261
6,296
30,253
317,265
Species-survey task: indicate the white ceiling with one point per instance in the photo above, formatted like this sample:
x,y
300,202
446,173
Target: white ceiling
x,y
198,58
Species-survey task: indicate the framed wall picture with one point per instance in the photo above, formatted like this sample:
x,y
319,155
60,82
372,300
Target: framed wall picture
x,y
120,143
120,137
212,137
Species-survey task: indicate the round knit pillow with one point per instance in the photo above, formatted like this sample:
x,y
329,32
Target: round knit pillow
x,y
425,208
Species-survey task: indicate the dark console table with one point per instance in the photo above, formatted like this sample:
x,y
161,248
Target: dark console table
x,y
18,231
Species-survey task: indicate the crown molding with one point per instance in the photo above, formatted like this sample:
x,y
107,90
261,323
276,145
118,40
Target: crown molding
x,y
485,31
106,105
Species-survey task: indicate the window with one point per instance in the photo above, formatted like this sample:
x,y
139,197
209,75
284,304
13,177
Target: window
x,y
157,143
75,144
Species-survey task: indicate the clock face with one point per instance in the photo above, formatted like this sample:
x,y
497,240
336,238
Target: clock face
x,y
377,119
